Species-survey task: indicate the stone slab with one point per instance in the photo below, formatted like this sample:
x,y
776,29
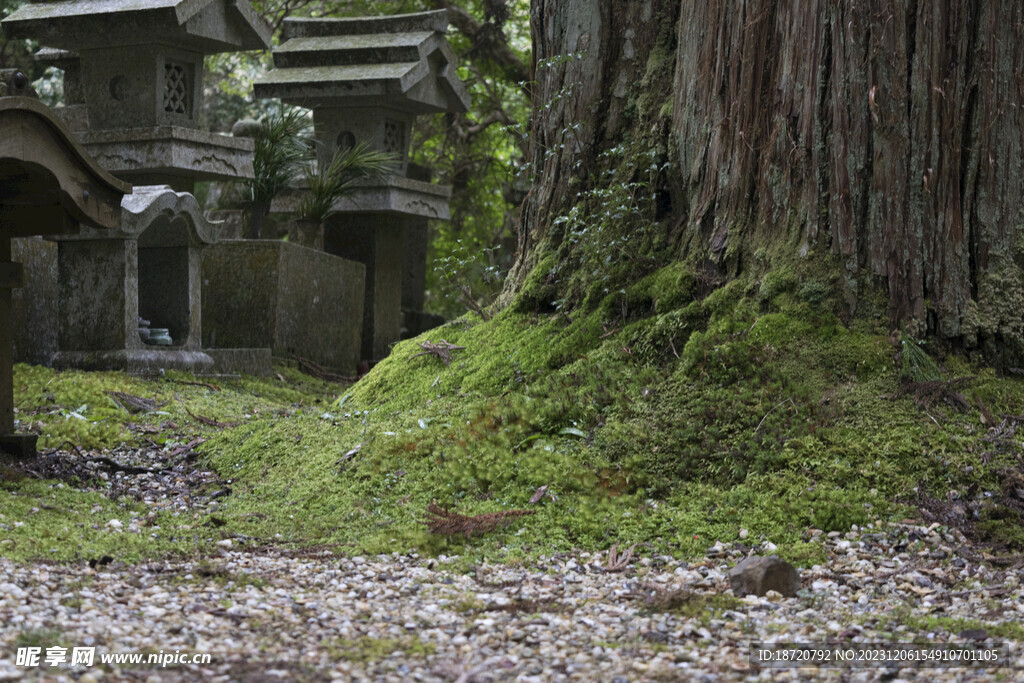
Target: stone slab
x,y
258,362
166,154
394,196
358,49
290,299
35,311
434,20
147,361
20,446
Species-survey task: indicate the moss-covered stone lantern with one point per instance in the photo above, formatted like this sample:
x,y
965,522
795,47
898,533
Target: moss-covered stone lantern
x,y
135,70
366,79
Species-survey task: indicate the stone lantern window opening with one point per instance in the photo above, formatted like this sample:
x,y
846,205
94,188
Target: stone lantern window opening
x,y
178,77
395,138
346,140
163,282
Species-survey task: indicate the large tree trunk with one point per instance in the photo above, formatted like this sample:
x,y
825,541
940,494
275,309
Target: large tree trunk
x,y
887,133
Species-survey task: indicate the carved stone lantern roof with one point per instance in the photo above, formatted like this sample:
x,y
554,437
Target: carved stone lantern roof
x,y
366,79
401,61
203,26
134,71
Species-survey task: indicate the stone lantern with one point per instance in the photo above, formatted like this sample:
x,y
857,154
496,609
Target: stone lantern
x,y
48,184
133,73
366,80
147,268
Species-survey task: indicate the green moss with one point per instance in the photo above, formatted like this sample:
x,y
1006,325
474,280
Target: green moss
x,y
53,521
366,649
700,606
78,408
651,418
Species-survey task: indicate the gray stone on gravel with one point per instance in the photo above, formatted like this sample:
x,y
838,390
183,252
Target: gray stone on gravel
x,y
758,575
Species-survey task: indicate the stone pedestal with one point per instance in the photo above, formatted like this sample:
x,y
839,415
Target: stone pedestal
x,y
290,299
375,241
10,278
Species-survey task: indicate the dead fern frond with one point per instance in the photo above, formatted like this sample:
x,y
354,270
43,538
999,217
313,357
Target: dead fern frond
x,y
442,350
447,523
927,394
617,563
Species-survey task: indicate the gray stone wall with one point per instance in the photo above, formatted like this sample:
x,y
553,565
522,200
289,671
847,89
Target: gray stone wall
x,y
293,300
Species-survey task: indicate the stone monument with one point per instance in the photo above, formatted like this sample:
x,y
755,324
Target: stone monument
x,y
148,268
48,183
366,79
133,73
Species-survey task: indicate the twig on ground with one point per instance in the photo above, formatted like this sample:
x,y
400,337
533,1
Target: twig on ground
x,y
132,404
316,370
467,297
616,562
208,421
127,469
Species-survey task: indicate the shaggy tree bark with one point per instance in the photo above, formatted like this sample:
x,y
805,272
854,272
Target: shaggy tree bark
x,y
887,132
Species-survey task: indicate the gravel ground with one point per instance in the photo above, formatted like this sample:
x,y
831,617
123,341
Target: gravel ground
x,y
270,613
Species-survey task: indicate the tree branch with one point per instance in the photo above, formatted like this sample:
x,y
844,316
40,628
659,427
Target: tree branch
x,y
492,48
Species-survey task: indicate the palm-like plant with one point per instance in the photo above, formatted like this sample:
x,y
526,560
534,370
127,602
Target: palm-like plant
x,y
283,146
347,169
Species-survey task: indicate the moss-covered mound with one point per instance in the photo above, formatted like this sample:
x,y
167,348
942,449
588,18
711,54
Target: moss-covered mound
x,y
668,416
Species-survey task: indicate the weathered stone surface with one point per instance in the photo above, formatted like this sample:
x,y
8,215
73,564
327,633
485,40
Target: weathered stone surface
x,y
366,79
205,26
396,196
148,267
375,241
415,242
257,362
402,61
293,300
758,575
170,155
35,313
